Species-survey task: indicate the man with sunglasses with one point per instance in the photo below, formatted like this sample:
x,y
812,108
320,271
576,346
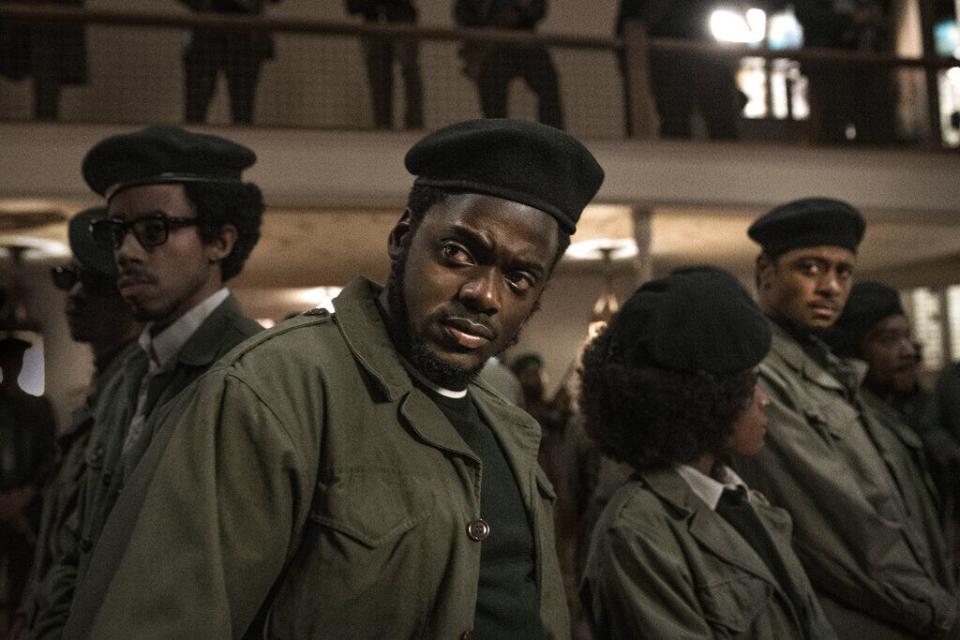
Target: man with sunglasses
x,y
180,223
98,316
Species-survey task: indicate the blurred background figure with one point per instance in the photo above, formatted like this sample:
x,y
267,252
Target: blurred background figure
x,y
27,431
874,328
98,316
238,53
849,103
380,54
552,413
493,67
683,83
52,54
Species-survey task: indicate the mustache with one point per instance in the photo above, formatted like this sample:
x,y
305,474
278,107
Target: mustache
x,y
134,276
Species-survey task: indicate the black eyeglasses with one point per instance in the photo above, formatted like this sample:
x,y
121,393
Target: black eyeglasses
x,y
150,230
66,277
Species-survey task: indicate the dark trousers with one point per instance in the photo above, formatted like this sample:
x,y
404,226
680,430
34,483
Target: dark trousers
x,y
682,83
238,56
861,99
380,56
534,65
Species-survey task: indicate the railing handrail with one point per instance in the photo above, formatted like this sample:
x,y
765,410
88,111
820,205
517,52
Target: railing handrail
x,y
46,13
21,12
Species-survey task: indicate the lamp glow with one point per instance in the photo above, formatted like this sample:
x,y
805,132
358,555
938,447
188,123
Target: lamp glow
x,y
731,26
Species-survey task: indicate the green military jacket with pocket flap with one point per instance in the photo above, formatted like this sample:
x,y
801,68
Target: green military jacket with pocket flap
x,y
304,488
662,564
822,463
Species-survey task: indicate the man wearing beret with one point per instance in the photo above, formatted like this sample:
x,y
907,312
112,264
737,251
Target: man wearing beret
x,y
98,316
349,475
823,460
180,223
874,328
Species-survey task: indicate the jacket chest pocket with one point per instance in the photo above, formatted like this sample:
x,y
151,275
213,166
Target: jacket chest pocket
x,y
372,506
833,419
731,606
369,562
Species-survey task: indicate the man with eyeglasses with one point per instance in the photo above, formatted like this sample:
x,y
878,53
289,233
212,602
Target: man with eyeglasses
x,y
350,475
98,316
180,223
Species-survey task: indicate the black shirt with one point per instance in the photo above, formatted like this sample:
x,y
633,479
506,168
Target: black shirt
x,y
508,602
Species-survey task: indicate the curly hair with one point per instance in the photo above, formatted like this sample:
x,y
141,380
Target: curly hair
x,y
423,197
239,204
649,417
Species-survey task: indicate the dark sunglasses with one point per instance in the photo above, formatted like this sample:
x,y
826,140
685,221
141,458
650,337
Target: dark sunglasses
x,y
66,277
150,230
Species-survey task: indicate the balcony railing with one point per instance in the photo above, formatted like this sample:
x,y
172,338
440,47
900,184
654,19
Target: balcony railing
x,y
90,66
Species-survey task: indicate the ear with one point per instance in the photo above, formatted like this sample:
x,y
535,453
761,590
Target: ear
x,y
223,244
399,236
765,266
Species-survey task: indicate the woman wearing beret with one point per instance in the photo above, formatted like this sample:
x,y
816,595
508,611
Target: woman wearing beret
x,y
683,550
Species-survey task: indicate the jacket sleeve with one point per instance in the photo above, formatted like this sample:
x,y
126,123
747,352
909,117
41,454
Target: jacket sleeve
x,y
213,511
848,530
939,422
634,587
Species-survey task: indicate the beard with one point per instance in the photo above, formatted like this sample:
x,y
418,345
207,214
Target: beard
x,y
412,347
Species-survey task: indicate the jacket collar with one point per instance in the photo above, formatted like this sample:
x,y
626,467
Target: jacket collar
x,y
705,525
205,345
788,349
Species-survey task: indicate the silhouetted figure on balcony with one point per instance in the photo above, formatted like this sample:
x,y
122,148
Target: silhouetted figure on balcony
x,y
492,67
849,103
380,55
238,53
52,54
684,82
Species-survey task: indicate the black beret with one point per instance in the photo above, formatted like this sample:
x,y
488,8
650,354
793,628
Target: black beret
x,y
695,320
158,155
869,303
518,160
809,222
88,254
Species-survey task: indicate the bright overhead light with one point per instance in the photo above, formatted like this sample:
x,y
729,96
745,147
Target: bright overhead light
x,y
743,28
317,296
35,247
618,248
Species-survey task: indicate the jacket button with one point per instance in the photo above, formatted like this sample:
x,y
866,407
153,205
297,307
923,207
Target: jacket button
x,y
467,635
478,530
85,545
107,477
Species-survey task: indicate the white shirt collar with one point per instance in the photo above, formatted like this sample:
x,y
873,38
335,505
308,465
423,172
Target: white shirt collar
x,y
165,345
705,487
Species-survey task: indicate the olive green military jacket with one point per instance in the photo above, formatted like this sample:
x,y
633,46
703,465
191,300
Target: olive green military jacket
x,y
104,468
822,463
663,564
304,488
59,532
906,457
